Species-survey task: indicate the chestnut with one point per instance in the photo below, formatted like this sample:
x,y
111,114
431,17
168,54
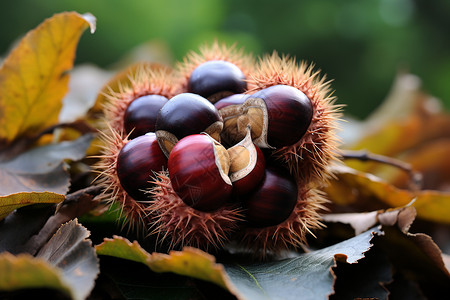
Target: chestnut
x,y
140,115
216,79
183,115
273,200
247,166
198,170
235,99
278,116
136,163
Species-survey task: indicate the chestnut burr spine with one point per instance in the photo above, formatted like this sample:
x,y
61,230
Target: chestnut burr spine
x,y
311,157
216,79
181,225
147,79
215,51
132,212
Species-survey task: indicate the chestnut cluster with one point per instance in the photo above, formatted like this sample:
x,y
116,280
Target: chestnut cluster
x,y
222,149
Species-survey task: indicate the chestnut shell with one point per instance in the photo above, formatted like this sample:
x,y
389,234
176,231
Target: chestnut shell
x,y
141,114
289,112
136,162
216,76
194,174
235,99
273,200
186,114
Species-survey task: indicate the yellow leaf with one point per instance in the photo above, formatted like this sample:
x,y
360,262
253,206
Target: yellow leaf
x,y
34,78
14,201
188,262
357,189
433,206
24,271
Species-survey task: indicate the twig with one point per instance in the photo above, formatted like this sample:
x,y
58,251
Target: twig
x,y
416,178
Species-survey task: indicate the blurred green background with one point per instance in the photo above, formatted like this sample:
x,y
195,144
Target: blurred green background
x,y
359,44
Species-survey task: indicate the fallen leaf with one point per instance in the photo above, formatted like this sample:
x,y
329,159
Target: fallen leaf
x,y
364,191
142,283
85,83
14,201
34,77
74,206
189,262
41,169
17,228
368,278
431,159
414,256
361,222
417,258
307,275
67,263
25,271
411,126
72,253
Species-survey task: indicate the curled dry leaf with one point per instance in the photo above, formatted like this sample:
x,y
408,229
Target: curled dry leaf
x,y
414,254
361,222
359,191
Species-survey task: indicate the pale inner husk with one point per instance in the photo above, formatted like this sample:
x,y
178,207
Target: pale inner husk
x,y
166,141
222,161
256,111
243,157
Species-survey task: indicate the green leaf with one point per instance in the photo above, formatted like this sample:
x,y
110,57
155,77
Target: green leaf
x,y
41,169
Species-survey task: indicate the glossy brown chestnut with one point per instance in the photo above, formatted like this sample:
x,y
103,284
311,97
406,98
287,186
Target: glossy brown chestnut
x,y
235,99
217,79
198,170
140,116
273,200
136,162
183,115
247,166
289,114
278,116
